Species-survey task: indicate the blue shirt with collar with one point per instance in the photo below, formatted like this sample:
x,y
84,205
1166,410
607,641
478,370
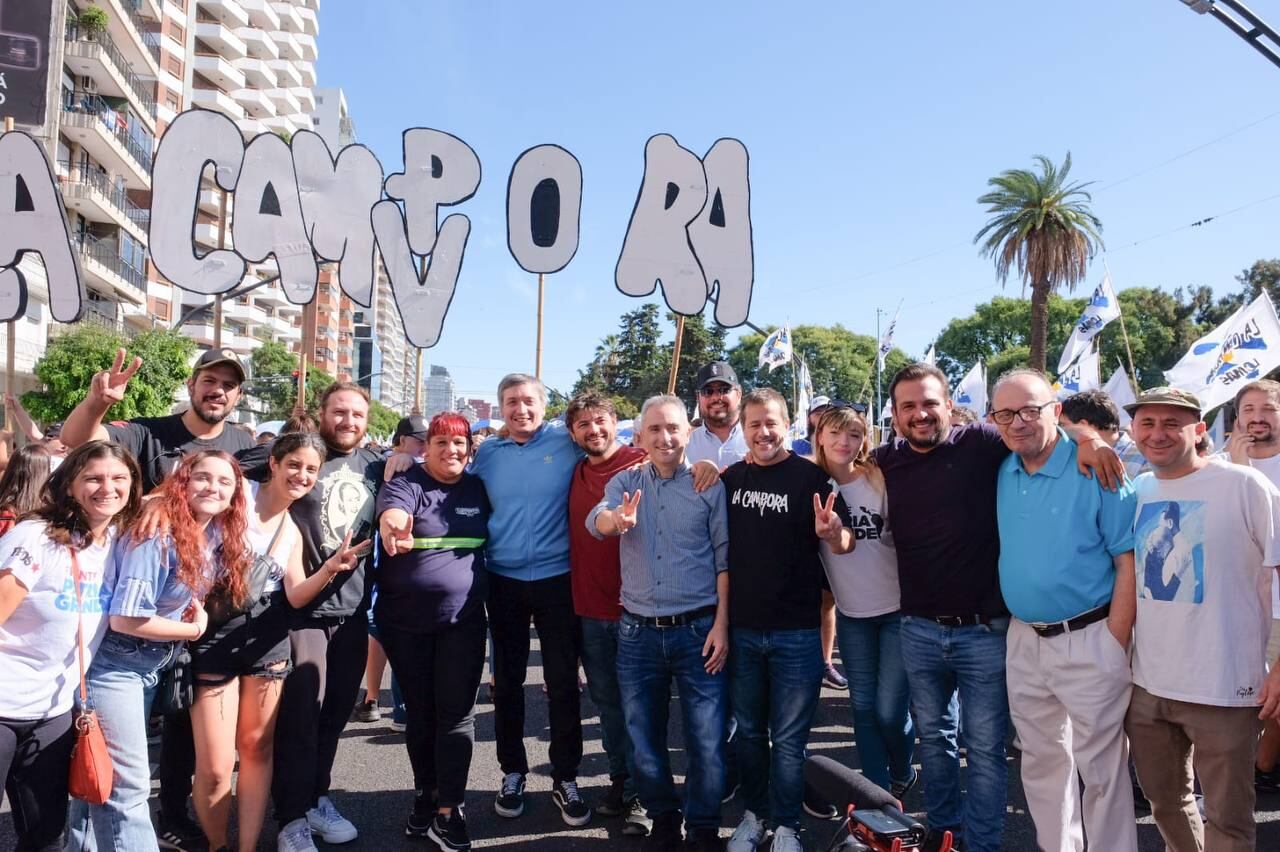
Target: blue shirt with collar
x,y
679,545
528,488
1058,533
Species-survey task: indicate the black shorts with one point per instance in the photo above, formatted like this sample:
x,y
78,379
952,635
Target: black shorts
x,y
249,645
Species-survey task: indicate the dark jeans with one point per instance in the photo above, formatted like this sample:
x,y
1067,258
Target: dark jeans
x,y
177,764
600,662
328,665
34,761
648,659
439,674
776,676
549,603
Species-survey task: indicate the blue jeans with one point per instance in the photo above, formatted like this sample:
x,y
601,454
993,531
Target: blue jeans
x,y
121,684
872,652
776,676
940,662
648,659
600,662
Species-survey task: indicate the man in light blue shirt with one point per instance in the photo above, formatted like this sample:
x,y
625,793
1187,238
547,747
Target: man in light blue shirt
x,y
1067,576
675,623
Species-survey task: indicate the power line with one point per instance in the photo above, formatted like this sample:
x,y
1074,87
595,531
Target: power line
x,y
1199,223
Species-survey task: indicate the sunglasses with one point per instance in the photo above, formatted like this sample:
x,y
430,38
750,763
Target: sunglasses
x,y
859,407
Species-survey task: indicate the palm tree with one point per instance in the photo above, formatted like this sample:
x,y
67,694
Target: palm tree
x,y
1043,226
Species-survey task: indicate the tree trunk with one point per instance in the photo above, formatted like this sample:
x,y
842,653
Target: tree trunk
x,y
1039,323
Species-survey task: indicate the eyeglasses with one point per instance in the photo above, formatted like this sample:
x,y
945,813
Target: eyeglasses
x,y
1029,414
715,390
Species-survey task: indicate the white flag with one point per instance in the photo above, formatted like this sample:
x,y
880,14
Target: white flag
x,y
1120,389
1103,307
1083,375
1218,432
972,390
886,342
800,423
1244,348
776,350
930,357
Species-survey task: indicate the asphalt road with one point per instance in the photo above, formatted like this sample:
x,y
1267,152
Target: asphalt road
x,y
372,786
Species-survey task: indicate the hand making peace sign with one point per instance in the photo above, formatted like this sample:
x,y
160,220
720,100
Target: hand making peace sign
x,y
108,386
345,557
626,514
825,520
397,538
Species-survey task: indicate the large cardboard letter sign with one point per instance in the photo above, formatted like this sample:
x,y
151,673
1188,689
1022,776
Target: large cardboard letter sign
x,y
422,303
440,170
268,217
195,139
337,197
721,235
34,221
544,205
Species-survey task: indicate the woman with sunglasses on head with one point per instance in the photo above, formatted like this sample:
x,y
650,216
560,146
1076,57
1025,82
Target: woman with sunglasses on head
x,y
865,585
56,575
155,608
242,660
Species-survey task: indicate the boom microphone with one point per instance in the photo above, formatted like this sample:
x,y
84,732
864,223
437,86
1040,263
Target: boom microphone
x,y
843,786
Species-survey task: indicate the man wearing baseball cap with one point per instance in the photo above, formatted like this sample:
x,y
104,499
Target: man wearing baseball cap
x,y
159,443
1207,543
719,438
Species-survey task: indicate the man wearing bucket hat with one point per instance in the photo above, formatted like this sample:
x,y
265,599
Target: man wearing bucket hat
x,y
1207,543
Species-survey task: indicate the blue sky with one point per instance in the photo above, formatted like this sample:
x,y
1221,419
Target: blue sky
x,y
872,128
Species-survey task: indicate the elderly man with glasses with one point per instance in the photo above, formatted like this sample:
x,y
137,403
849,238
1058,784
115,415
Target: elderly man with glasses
x,y
1067,575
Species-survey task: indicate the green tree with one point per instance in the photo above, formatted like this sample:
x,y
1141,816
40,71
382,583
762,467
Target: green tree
x,y
700,346
71,359
275,385
382,420
1043,227
1264,275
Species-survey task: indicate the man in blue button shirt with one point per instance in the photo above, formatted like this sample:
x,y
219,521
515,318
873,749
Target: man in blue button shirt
x,y
675,623
1067,575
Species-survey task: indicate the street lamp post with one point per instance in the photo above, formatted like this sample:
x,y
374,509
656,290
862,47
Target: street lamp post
x,y
1242,21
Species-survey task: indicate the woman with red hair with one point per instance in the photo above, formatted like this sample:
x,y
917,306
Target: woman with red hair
x,y
430,615
155,608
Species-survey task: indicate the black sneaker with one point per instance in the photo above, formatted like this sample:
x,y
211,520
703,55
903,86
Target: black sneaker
x,y
818,807
573,810
898,789
613,803
181,834
665,836
368,711
933,842
704,840
424,811
510,801
637,823
450,831
1266,782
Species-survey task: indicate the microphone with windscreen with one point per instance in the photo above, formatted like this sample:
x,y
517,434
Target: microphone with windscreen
x,y
875,816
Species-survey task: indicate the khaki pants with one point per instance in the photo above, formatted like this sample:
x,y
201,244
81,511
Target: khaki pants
x,y
1170,737
1067,697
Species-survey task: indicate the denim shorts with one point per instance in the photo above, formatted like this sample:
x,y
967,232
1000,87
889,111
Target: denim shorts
x,y
249,645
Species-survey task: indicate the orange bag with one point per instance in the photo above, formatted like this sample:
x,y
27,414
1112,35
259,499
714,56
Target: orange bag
x,y
91,772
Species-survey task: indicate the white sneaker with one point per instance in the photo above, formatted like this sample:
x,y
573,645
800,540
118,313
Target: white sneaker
x,y
748,835
295,837
786,840
332,826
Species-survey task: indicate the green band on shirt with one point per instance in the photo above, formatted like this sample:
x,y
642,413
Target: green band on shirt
x,y
448,543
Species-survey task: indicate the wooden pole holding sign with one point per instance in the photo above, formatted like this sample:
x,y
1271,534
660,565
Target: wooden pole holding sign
x,y
307,353
675,355
222,244
417,369
542,292
10,343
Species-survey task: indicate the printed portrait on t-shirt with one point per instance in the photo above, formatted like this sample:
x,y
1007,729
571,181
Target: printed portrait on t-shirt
x,y
346,504
1170,551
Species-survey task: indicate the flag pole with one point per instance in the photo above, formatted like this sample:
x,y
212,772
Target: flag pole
x,y
10,343
1124,332
878,377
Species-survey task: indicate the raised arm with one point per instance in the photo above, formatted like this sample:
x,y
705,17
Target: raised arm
x,y
84,423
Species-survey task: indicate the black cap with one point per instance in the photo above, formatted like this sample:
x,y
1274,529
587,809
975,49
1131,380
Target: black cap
x,y
53,430
717,371
217,358
414,426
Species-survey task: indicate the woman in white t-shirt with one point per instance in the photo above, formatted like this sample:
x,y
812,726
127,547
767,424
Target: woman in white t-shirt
x,y
241,662
865,584
156,606
46,597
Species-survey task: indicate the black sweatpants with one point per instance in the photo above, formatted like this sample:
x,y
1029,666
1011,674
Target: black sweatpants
x,y
35,758
439,674
329,656
549,603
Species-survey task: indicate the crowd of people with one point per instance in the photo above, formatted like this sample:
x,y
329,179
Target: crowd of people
x,y
1106,595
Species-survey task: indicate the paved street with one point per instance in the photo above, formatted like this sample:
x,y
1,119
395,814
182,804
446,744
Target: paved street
x,y
372,788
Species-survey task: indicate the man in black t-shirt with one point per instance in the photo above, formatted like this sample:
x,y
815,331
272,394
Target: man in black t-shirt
x,y
159,443
780,507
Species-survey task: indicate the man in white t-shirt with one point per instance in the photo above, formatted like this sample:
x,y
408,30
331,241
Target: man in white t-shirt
x,y
1255,442
719,438
1204,573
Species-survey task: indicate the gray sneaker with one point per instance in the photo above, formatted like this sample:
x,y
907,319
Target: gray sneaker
x,y
749,834
637,822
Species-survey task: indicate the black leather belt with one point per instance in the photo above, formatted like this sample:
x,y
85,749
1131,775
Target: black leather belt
x,y
678,620
1057,628
962,620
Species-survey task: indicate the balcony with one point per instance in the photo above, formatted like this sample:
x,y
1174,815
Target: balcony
x,y
289,47
206,234
229,12
306,98
93,196
103,131
98,57
256,103
310,21
284,101
107,272
310,51
251,127
221,38
257,72
307,70
133,34
287,74
280,124
258,44
220,71
290,20
261,15
270,295
219,101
